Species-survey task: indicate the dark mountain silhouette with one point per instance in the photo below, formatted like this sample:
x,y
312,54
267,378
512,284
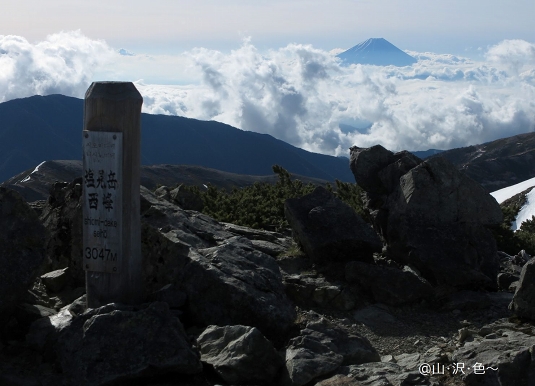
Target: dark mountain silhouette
x,y
42,128
378,52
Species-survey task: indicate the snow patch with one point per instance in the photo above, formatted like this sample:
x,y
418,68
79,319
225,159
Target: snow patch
x,y
34,170
526,212
506,193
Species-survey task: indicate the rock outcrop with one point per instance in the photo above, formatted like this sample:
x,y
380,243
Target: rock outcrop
x,y
241,355
330,230
523,303
116,342
21,250
431,216
226,304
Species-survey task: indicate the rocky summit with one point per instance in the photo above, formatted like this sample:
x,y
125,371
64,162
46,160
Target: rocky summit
x,y
419,296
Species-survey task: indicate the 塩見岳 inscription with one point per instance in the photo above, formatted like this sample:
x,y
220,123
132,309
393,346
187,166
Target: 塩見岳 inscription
x,y
102,200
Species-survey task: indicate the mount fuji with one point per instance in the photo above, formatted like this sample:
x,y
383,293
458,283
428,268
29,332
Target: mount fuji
x,y
377,52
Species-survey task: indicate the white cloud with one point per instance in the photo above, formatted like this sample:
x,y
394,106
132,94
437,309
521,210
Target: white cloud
x,y
63,63
298,93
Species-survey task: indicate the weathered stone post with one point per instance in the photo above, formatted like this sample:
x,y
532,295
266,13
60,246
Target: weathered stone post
x,y
111,154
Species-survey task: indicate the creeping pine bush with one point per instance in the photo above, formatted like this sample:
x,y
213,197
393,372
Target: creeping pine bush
x,y
261,205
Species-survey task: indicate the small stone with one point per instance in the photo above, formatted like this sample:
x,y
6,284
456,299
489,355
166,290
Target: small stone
x,y
464,333
484,331
55,281
491,336
387,358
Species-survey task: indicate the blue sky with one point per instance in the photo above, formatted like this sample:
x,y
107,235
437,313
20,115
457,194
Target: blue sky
x,y
172,26
270,66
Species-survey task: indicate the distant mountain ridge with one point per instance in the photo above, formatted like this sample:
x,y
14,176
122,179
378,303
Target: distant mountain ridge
x,y
497,164
34,184
42,128
378,52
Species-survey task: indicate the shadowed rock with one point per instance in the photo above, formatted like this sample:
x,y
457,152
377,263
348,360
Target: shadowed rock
x,y
240,354
117,342
21,249
330,230
431,216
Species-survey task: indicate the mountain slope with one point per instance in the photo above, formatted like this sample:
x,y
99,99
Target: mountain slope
x,y
42,128
378,52
497,164
34,184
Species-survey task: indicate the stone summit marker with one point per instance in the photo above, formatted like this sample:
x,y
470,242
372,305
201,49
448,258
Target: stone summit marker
x,y
111,177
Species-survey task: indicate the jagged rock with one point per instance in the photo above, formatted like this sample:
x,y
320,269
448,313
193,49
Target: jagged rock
x,y
366,163
169,294
328,229
55,280
310,356
383,373
355,349
322,347
62,217
239,354
186,199
523,303
192,228
272,243
339,380
388,285
116,342
510,355
21,249
308,291
234,284
431,216
505,279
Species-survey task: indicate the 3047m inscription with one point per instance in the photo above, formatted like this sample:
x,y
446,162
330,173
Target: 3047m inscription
x,y
102,200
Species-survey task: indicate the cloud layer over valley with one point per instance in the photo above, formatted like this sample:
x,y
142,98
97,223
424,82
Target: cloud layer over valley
x,y
298,93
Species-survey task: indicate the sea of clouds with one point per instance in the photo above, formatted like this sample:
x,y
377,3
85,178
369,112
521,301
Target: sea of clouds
x,y
298,93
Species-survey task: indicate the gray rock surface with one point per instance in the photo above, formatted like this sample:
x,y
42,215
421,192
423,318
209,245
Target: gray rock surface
x,y
235,284
321,348
382,373
523,303
118,342
328,229
505,359
21,249
240,354
310,356
56,280
388,285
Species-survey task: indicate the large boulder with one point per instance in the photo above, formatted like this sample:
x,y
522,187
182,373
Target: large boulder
x,y
330,230
116,342
322,347
523,303
22,249
235,284
241,355
431,216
